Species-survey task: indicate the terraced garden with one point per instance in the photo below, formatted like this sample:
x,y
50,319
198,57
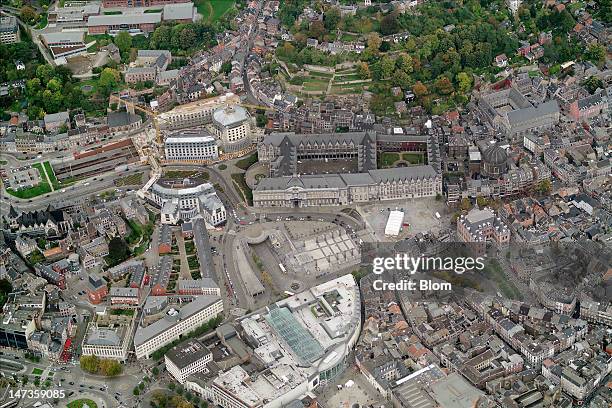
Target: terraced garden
x,y
341,82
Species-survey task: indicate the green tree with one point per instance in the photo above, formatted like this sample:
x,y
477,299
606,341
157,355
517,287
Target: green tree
x,y
464,81
592,83
374,41
41,243
332,18
482,202
28,14
363,70
45,72
110,368
160,39
387,66
123,41
316,30
389,24
596,54
444,86
117,249
544,187
109,78
261,120
420,89
5,289
404,62
91,364
226,67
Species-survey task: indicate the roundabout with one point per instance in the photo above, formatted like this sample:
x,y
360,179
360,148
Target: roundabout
x,y
82,403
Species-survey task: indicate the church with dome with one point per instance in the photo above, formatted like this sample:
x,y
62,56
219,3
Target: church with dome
x,y
494,162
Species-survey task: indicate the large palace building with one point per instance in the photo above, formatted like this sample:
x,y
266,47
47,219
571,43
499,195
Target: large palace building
x,y
344,189
139,3
341,168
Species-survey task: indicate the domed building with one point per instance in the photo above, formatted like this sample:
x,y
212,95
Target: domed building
x,y
494,162
232,126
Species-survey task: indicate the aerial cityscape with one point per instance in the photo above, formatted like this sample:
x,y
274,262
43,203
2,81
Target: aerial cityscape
x,y
305,203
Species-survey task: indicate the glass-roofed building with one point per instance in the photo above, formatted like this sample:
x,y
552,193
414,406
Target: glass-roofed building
x,y
301,342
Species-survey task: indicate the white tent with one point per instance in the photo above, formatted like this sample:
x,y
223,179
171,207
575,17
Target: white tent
x,y
394,223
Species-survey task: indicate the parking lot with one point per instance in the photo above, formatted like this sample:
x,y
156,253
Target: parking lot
x,y
419,217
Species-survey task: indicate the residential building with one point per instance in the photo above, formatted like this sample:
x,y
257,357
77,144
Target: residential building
x,y
9,30
124,296
55,121
232,126
175,322
65,43
186,200
203,286
109,336
195,114
187,358
588,107
192,146
96,289
482,226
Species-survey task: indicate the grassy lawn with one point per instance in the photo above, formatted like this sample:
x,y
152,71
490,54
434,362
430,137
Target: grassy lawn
x,y
42,188
348,37
80,402
494,270
387,159
54,182
213,10
242,187
192,261
348,89
43,21
180,174
320,74
3,162
154,11
247,162
349,77
414,158
136,232
315,85
131,180
37,371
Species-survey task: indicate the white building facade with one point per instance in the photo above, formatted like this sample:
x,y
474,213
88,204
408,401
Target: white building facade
x,y
194,146
176,323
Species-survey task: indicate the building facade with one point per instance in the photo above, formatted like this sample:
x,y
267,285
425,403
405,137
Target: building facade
x,y
185,201
345,189
232,126
188,358
482,226
9,30
191,146
176,323
195,114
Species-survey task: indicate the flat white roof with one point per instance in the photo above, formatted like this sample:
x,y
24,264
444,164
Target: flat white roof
x,y
144,18
189,139
394,223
